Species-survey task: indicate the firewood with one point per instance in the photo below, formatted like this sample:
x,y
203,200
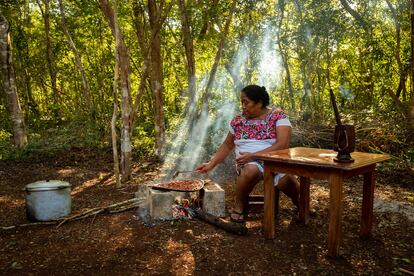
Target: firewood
x,y
113,208
232,227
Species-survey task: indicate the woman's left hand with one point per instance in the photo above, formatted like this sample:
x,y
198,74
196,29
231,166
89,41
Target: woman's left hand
x,y
244,158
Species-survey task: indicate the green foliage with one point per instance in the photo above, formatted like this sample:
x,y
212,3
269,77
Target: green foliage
x,y
143,143
54,139
318,39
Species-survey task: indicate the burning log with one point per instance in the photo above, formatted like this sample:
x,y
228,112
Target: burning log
x,y
188,209
232,227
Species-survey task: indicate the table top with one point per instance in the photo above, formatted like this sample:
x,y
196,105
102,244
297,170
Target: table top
x,y
321,158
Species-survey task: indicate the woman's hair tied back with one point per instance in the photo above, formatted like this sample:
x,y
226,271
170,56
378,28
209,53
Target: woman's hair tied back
x,y
257,94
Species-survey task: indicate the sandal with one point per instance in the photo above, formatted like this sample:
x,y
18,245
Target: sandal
x,y
237,216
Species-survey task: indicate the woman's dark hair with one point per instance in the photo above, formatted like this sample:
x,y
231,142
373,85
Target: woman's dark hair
x,y
256,94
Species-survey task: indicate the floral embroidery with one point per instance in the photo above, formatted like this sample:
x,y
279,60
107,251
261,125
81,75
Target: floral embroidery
x,y
257,129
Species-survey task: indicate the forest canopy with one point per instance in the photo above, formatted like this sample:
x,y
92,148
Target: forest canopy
x,y
162,71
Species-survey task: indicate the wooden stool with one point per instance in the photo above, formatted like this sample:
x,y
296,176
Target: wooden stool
x,y
256,202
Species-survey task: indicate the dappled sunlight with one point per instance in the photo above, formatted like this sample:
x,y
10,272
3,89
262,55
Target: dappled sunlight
x,y
85,185
11,201
182,259
88,184
384,195
66,172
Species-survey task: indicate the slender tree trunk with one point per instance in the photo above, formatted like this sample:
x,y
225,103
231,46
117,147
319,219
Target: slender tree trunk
x,y
284,56
114,115
9,85
213,71
207,18
285,61
22,51
411,108
402,71
49,55
85,84
156,78
123,53
361,21
139,24
189,51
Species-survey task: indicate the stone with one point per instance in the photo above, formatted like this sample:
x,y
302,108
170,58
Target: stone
x,y
214,199
160,202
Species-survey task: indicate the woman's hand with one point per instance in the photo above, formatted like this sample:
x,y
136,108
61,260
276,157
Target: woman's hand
x,y
244,158
205,167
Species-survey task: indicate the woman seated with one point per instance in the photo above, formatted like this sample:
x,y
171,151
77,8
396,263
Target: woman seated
x,y
258,129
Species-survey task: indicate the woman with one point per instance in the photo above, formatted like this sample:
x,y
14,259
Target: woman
x,y
258,129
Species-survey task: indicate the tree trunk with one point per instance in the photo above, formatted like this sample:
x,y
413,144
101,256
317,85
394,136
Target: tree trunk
x,y
284,56
9,85
402,70
113,121
411,108
156,78
139,24
361,21
123,55
22,51
49,55
210,82
85,84
189,51
207,18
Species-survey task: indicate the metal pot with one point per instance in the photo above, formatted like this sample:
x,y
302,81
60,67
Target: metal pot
x,y
48,200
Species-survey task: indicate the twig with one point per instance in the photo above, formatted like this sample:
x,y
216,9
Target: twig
x,y
29,224
93,219
113,208
95,211
405,271
76,216
123,208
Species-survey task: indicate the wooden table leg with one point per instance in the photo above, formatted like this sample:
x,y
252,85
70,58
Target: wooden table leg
x,y
335,213
304,199
269,204
367,204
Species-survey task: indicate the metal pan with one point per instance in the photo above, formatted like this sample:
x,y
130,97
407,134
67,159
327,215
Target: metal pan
x,y
182,185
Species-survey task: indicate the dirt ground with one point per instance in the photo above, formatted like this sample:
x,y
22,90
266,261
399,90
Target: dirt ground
x,y
120,244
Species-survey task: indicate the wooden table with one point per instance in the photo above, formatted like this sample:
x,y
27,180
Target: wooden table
x,y
318,163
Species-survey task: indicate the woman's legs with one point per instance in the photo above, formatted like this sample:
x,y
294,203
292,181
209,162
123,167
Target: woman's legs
x,y
245,182
248,178
290,187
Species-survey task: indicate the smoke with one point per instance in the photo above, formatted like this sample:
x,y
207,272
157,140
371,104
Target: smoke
x,y
270,61
184,150
346,92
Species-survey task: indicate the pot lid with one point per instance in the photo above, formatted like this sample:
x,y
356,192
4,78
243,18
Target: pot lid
x,y
48,184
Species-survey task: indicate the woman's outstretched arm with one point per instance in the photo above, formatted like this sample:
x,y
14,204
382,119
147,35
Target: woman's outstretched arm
x,y
222,152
